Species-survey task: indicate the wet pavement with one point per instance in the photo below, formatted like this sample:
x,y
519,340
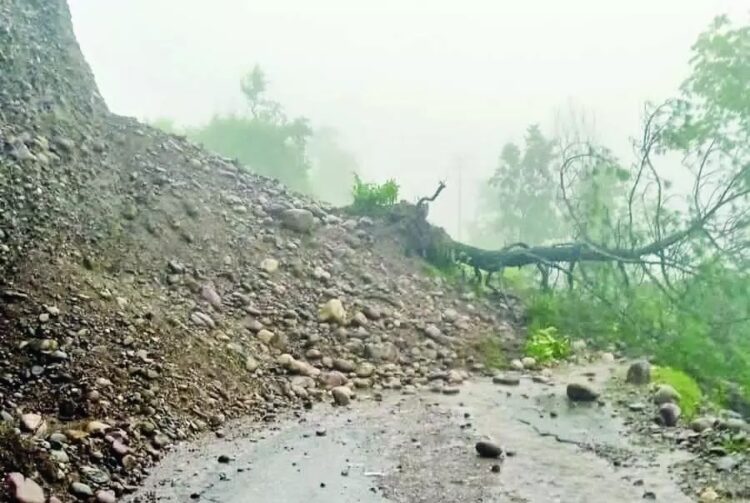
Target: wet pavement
x,y
420,448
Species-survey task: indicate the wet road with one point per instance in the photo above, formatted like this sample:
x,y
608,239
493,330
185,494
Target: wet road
x,y
421,449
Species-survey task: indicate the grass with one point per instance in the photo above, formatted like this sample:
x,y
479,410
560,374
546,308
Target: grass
x,y
691,395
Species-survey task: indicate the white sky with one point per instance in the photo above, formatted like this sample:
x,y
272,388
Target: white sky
x,y
411,84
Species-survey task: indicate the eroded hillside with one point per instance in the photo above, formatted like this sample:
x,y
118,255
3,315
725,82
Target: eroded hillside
x,y
152,290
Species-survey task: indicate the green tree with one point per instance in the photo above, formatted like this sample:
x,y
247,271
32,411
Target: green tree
x,y
518,204
265,140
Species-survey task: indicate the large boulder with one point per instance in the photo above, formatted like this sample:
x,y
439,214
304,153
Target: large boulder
x,y
669,413
580,392
666,394
639,372
298,220
23,490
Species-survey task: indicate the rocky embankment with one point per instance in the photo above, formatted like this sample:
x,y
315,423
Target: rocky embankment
x,y
150,290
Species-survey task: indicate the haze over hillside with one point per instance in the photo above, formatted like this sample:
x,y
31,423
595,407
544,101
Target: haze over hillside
x,y
411,86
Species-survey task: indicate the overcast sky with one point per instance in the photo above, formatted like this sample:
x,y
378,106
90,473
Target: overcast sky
x,y
411,84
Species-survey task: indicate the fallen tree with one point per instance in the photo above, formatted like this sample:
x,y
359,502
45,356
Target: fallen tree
x,y
646,235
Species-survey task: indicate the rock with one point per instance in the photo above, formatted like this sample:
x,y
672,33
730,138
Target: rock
x,y
637,406
103,496
279,341
608,357
270,265
488,450
160,441
343,365
24,490
81,490
202,319
95,475
516,364
251,364
702,424
669,413
59,456
727,463
224,459
265,336
31,422
433,332
578,346
451,390
372,313
209,295
450,315
298,220
332,379
96,428
736,425
342,395
665,394
528,362
333,310
365,370
707,495
639,372
382,352
359,319
579,392
507,379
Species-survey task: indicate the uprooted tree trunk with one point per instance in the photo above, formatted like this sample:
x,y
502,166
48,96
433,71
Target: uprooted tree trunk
x,y
720,218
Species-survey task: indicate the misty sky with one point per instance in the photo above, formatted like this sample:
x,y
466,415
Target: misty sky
x,y
411,85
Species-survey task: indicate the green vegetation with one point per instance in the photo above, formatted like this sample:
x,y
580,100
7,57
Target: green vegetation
x,y
691,396
373,197
672,279
518,202
269,143
547,346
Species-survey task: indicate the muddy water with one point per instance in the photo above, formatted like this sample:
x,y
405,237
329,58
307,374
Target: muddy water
x,y
420,449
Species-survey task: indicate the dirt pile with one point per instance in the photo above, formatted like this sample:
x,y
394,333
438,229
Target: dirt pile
x,y
150,290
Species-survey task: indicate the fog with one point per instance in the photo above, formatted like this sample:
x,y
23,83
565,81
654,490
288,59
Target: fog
x,y
411,86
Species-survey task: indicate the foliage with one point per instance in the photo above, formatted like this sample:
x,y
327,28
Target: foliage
x,y
518,202
685,301
491,351
265,140
691,395
373,197
272,149
545,345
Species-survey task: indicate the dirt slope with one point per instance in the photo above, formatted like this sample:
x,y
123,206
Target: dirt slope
x,y
150,290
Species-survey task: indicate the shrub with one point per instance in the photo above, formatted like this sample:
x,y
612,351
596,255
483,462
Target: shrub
x,y
371,197
545,345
